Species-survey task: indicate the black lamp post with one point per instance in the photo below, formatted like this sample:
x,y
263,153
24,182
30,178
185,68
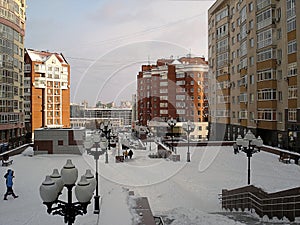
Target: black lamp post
x,y
105,128
250,145
51,188
188,127
95,139
172,123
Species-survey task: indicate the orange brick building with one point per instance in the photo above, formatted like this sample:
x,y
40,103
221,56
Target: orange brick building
x,y
46,90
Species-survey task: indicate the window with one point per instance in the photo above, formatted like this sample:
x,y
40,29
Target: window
x,y
292,69
266,114
165,83
222,31
222,59
243,14
163,104
251,78
222,45
250,6
251,59
291,24
292,92
265,55
280,117
280,95
264,38
292,47
251,24
290,9
222,14
180,97
163,111
251,97
262,4
292,114
180,82
266,75
266,94
180,75
60,142
162,90
279,34
251,42
264,19
180,111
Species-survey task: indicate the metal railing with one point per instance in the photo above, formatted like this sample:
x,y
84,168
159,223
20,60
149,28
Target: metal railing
x,y
282,206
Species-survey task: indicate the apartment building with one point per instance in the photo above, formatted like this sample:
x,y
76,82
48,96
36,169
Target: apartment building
x,y
12,31
173,88
253,62
47,90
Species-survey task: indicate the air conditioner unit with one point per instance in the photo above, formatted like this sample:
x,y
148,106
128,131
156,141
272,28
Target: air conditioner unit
x,y
247,31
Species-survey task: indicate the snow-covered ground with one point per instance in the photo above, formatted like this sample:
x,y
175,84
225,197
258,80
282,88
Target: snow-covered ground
x,y
185,193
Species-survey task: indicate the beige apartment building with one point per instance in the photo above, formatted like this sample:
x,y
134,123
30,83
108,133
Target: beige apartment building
x,y
47,90
253,62
12,32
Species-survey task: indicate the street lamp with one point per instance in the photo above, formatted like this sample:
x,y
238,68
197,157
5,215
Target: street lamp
x,y
188,128
95,139
51,188
172,123
105,128
250,145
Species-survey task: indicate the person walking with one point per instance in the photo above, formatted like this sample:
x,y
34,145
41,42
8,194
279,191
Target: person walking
x,y
125,153
9,184
130,153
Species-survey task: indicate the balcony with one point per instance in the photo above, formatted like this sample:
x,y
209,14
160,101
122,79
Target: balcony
x,y
39,68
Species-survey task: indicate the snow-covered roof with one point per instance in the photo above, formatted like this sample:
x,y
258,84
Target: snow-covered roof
x,y
43,56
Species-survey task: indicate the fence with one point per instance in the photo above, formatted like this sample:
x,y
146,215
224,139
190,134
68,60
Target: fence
x,y
279,204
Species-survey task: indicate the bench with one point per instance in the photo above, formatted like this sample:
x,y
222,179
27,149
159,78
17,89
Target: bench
x,y
7,163
285,158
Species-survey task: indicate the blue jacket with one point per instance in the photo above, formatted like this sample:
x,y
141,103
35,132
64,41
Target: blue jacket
x,y
9,178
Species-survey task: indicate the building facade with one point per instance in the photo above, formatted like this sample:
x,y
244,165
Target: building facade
x,y
253,62
47,90
92,117
173,88
12,30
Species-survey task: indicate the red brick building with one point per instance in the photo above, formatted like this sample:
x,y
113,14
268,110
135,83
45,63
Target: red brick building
x,y
174,88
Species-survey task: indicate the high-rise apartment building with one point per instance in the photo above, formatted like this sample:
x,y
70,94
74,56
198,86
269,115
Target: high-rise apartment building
x,y
173,88
253,62
46,90
12,31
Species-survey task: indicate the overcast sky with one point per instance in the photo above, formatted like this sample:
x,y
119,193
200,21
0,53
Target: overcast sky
x,y
106,41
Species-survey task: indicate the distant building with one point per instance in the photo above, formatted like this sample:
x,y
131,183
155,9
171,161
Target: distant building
x,y
173,88
92,117
47,90
12,26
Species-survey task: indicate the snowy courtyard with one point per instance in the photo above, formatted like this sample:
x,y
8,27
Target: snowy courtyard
x,y
182,192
